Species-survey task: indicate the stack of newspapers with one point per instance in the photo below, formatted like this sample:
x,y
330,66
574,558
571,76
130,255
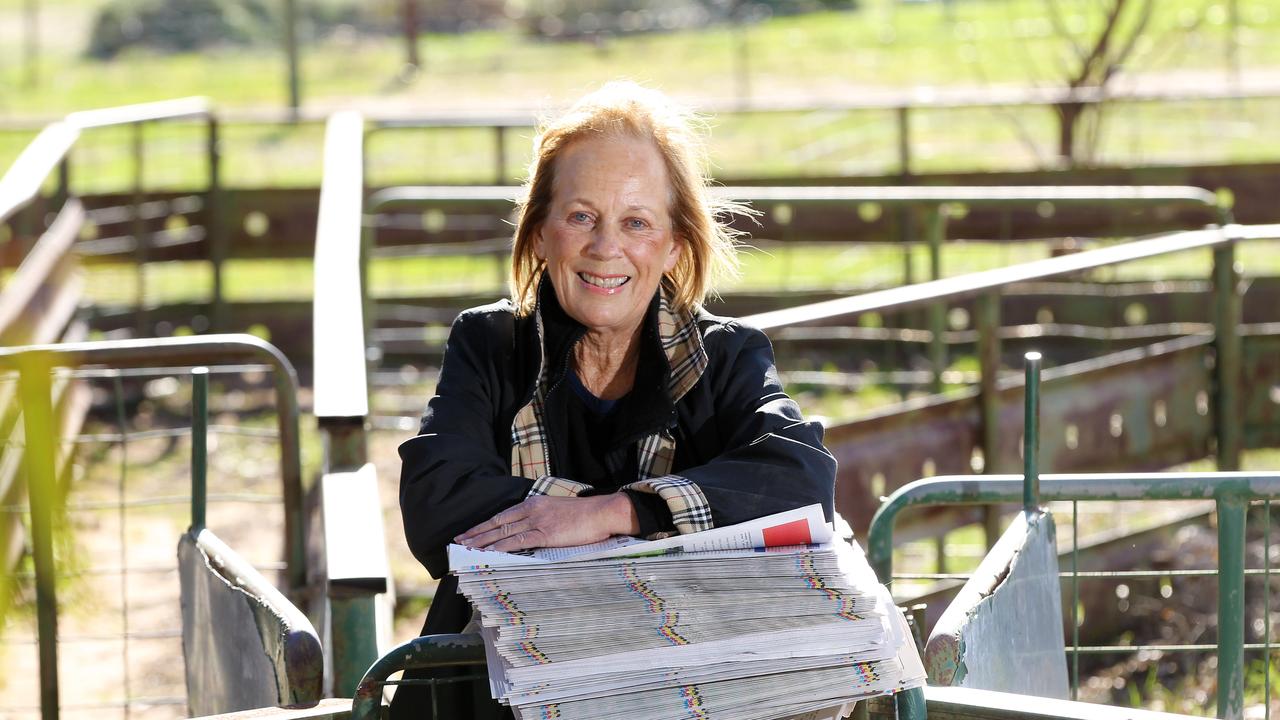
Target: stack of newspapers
x,y
769,619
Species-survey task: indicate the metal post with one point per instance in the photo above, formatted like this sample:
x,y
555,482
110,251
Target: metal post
x,y
910,705
1226,372
987,309
1031,436
352,638
199,446
936,231
500,155
216,225
1231,541
64,182
904,141
368,239
39,428
138,229
295,527
291,57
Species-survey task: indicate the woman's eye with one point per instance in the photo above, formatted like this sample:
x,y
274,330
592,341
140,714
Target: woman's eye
x,y
580,217
637,224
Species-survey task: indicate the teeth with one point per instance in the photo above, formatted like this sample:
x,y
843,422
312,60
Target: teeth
x,y
607,283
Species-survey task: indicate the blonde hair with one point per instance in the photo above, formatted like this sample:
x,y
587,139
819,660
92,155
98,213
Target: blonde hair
x,y
708,254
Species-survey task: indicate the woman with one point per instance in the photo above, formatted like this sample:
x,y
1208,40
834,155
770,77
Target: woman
x,y
602,399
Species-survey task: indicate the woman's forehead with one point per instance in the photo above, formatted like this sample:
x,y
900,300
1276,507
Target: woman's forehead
x,y
604,167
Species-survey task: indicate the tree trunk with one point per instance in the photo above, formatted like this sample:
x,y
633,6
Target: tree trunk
x,y
1068,119
409,10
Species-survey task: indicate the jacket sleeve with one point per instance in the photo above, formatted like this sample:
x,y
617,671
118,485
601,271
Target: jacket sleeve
x,y
453,475
770,458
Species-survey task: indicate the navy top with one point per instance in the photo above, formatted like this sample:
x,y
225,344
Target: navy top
x,y
597,406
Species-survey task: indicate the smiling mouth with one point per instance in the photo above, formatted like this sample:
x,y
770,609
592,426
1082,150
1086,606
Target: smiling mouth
x,y
606,283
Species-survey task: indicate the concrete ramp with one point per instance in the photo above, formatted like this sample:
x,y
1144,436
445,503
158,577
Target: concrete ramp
x,y
1003,631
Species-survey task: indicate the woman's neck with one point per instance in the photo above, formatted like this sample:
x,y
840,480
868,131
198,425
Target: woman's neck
x,y
606,363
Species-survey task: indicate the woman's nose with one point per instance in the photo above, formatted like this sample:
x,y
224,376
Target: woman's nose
x,y
605,243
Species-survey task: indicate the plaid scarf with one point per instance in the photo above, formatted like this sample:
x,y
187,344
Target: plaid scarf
x,y
687,358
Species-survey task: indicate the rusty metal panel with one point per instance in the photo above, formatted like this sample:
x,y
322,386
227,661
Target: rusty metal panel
x,y
1142,409
1139,409
892,449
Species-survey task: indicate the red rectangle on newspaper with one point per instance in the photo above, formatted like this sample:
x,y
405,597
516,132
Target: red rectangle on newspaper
x,y
795,532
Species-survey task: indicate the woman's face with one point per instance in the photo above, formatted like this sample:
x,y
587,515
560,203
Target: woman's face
x,y
607,238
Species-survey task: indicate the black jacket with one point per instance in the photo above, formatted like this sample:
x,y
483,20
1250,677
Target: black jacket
x,y
737,436
711,434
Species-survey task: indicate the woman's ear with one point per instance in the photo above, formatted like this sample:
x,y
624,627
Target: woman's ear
x,y
673,255
539,249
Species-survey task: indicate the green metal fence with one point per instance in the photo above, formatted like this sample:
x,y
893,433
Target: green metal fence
x,y
1232,492
119,592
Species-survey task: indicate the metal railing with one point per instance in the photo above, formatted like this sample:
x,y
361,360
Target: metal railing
x,y
35,365
357,574
930,201
898,109
272,653
1231,492
935,294
50,152
987,285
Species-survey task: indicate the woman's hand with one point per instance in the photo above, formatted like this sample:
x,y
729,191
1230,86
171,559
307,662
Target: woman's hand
x,y
543,521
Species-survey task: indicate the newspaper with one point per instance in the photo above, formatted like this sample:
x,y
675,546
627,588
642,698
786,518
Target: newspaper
x,y
765,620
801,526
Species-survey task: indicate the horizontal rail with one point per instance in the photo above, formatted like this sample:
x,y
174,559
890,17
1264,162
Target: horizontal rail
x,y
991,489
22,181
995,195
179,109
978,283
38,268
916,98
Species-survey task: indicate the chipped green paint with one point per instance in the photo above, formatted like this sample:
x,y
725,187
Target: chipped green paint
x,y
1231,526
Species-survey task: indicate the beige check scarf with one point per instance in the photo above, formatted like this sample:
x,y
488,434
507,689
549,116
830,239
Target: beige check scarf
x,y
682,344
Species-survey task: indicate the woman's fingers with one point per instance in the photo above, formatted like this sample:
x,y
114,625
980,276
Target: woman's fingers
x,y
550,522
500,525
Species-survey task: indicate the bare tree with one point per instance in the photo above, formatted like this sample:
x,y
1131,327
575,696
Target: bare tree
x,y
1094,59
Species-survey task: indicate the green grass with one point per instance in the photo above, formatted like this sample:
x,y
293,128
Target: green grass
x,y
847,55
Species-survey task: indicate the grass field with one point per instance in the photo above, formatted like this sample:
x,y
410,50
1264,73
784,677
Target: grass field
x,y
816,58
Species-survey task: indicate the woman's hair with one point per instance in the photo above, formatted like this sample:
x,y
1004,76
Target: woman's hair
x,y
708,254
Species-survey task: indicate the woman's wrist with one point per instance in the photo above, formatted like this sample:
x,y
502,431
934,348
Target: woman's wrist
x,y
622,514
